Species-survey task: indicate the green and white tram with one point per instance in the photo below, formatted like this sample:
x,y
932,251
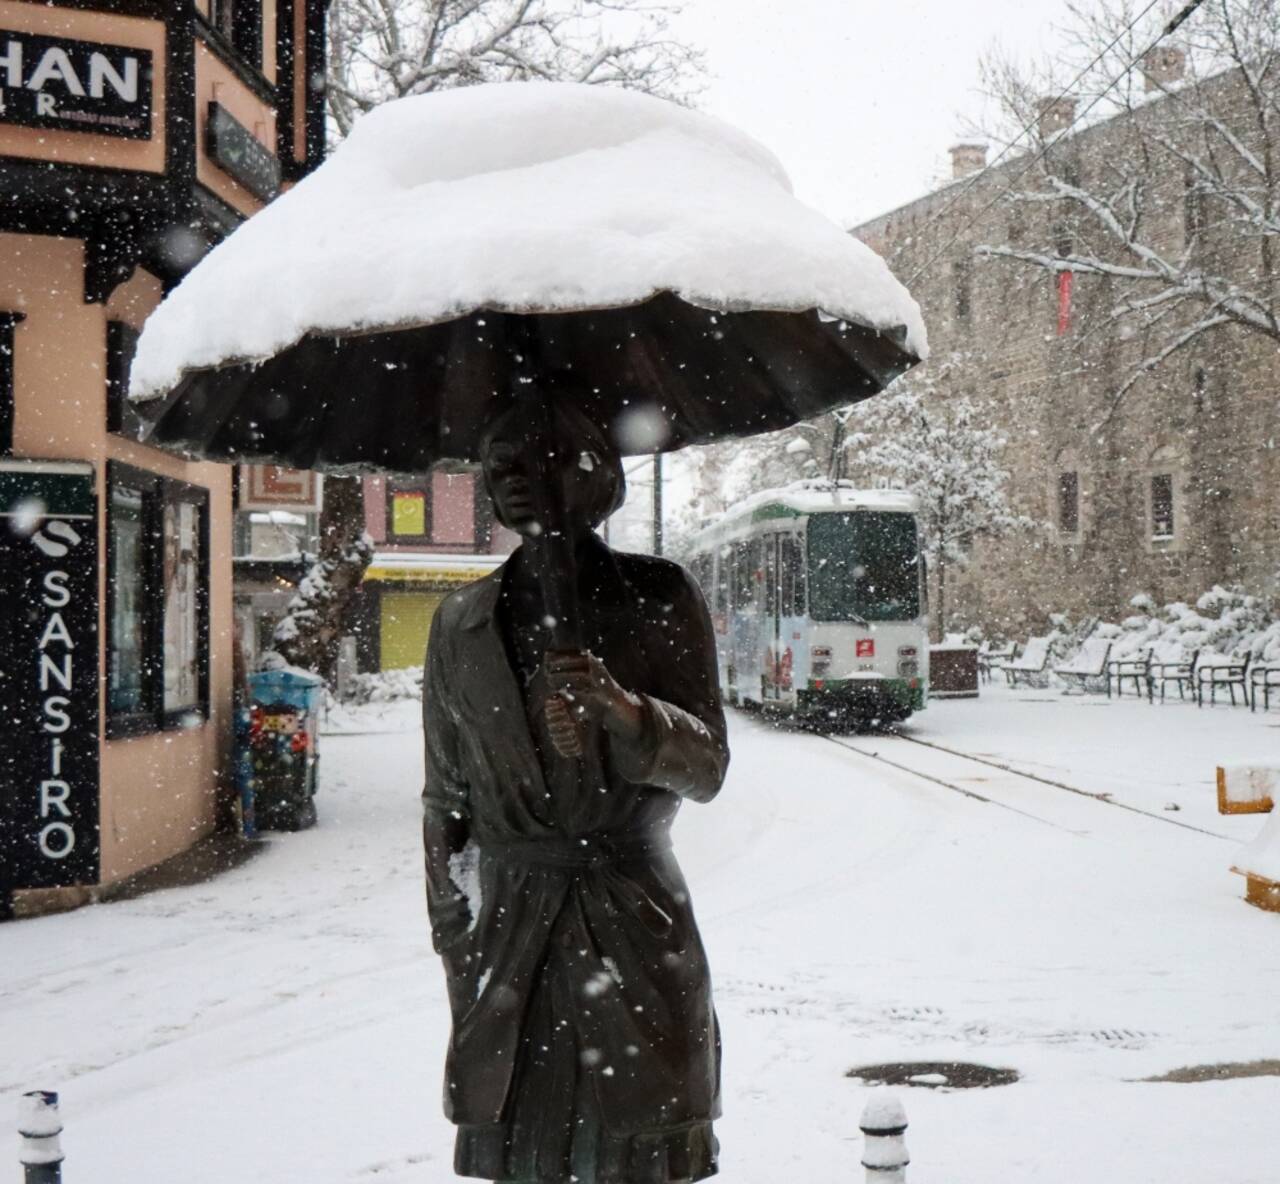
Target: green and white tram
x,y
817,595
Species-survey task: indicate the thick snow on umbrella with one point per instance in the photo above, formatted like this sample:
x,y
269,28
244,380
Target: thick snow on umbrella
x,y
525,197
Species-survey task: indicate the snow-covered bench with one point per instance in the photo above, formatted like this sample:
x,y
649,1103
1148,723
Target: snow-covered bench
x,y
1136,668
1173,667
993,657
1253,789
1088,669
1262,681
1221,670
1033,667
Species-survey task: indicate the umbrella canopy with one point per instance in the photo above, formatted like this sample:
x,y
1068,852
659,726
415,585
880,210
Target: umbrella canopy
x,y
645,260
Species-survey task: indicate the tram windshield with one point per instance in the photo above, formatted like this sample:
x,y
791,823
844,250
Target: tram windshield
x,y
863,565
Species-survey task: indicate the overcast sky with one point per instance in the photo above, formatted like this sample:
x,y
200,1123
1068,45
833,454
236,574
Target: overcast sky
x,y
859,98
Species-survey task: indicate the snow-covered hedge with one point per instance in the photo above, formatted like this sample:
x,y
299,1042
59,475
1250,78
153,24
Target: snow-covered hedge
x,y
1225,621
385,686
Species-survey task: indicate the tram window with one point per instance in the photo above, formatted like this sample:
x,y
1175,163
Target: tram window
x,y
741,575
786,577
792,577
770,575
749,557
802,585
864,565
724,575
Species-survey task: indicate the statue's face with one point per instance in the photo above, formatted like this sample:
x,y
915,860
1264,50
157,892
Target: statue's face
x,y
582,473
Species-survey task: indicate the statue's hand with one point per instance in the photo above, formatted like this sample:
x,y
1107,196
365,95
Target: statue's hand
x,y
580,687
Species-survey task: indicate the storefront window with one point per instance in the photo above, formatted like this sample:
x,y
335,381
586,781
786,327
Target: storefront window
x,y
182,564
127,681
157,602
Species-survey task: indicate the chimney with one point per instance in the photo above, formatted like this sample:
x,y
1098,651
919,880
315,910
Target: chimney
x,y
1163,67
967,159
1055,115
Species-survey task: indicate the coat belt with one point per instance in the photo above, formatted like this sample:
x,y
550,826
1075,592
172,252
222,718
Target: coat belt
x,y
578,851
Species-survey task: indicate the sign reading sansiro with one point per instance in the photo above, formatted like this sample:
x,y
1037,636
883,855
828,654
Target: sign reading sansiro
x,y
49,789
76,86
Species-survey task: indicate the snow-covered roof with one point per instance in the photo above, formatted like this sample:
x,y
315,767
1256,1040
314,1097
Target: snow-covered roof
x,y
517,197
813,496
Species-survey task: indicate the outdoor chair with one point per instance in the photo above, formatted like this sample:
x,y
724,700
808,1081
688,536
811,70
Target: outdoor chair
x,y
1033,667
1136,668
1164,671
1262,680
1222,670
993,657
1088,669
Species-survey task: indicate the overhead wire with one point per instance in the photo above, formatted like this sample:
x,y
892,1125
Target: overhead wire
x,y
1170,27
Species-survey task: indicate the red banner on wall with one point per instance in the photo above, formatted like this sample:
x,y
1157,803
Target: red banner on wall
x,y
1066,281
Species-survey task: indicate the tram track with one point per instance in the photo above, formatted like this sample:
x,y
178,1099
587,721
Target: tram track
x,y
941,779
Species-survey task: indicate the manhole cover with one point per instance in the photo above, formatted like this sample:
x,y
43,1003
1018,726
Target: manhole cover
x,y
935,1075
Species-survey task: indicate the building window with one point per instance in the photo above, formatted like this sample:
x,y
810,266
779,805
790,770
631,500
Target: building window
x,y
409,513
1162,523
240,22
1193,199
962,283
157,602
183,560
439,510
1069,503
129,680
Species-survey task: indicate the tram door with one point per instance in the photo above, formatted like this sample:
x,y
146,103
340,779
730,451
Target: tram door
x,y
774,674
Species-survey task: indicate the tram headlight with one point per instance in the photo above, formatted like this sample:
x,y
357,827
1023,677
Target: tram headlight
x,y
819,660
908,668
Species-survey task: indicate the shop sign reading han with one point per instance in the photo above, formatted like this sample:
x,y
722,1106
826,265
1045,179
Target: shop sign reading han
x,y
75,86
48,674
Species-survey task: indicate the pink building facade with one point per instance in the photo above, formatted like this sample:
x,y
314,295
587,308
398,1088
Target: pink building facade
x,y
431,535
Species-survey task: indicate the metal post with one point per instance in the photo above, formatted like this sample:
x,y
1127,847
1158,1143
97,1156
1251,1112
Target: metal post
x,y
884,1122
39,1128
657,503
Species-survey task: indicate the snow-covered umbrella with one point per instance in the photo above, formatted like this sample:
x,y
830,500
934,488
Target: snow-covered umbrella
x,y
465,250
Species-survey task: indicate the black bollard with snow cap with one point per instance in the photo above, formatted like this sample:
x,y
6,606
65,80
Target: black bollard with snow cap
x,y
39,1129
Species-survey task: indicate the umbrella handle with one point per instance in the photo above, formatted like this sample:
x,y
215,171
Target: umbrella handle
x,y
552,551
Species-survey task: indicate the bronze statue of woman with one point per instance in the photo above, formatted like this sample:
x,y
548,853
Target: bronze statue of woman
x,y
584,1046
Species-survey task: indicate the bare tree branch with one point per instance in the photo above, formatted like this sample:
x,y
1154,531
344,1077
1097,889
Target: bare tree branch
x,y
1203,145
386,49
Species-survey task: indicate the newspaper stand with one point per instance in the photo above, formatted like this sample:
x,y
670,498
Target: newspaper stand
x,y
283,731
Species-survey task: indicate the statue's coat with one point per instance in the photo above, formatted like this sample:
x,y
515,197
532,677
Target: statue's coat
x,y
579,846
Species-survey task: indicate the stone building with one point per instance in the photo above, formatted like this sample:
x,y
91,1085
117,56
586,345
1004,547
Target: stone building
x,y
1170,492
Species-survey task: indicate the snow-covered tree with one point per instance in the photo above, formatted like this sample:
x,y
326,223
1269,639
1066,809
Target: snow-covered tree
x,y
387,49
310,632
925,437
1172,211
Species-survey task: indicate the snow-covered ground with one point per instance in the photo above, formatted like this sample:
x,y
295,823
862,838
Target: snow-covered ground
x,y
286,1021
